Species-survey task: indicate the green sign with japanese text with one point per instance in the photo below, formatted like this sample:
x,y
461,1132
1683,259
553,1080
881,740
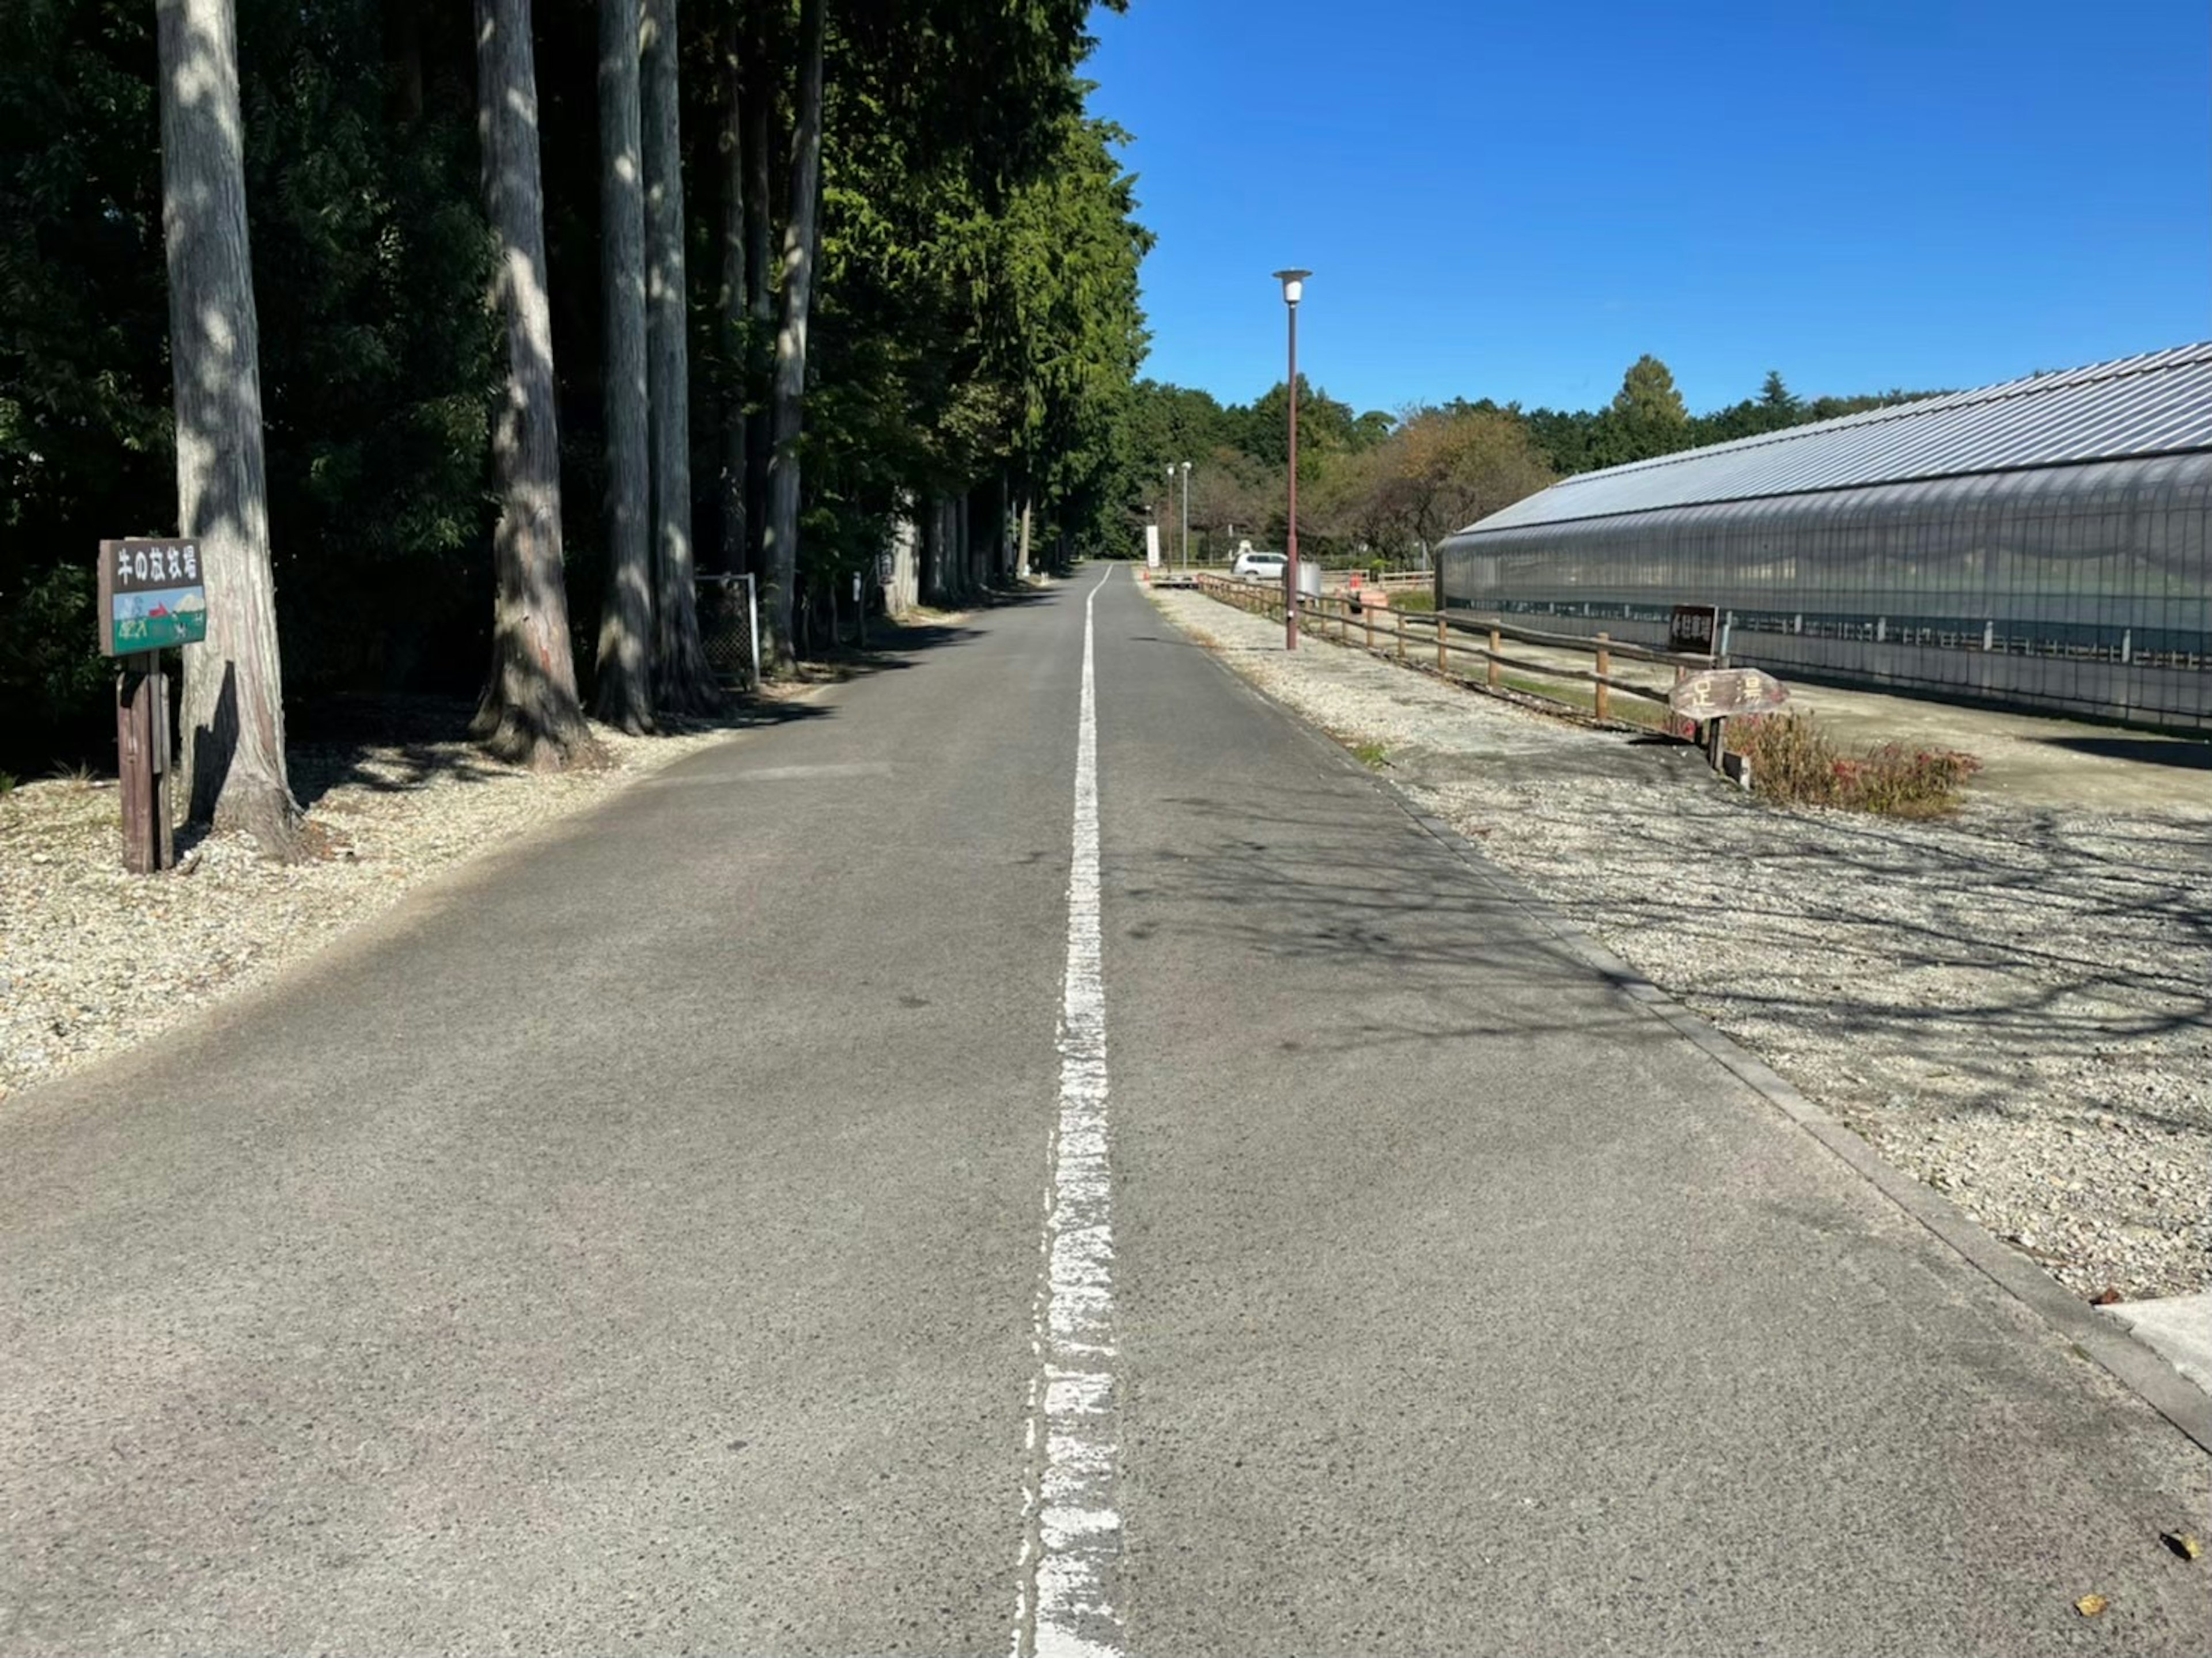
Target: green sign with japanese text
x,y
152,594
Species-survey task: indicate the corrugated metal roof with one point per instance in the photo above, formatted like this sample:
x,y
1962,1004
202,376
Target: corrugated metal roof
x,y
2158,403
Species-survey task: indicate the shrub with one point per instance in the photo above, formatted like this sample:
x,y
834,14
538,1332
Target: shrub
x,y
1794,761
1901,783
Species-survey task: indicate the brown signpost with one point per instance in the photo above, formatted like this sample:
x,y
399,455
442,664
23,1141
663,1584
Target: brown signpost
x,y
1719,695
152,594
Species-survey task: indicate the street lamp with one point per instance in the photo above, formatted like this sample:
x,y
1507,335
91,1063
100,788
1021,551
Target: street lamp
x,y
1186,516
1294,289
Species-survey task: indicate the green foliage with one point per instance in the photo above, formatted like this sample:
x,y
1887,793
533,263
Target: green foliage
x,y
84,393
978,316
369,262
379,359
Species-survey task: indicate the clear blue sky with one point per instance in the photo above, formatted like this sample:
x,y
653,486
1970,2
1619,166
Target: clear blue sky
x,y
1515,199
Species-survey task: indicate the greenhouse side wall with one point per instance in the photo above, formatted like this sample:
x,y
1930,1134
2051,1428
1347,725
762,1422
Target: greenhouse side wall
x,y
2083,590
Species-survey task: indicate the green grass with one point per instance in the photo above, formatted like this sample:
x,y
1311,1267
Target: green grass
x,y
1418,599
1373,756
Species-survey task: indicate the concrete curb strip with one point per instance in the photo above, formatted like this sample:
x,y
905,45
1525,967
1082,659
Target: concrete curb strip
x,y
2125,1357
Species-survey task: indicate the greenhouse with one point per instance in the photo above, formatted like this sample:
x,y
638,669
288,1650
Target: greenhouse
x,y
2041,543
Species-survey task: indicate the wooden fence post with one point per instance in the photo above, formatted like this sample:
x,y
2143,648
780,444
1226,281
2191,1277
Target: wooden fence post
x,y
1604,698
1440,642
1367,612
1491,677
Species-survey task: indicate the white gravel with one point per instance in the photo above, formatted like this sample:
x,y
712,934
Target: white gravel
x,y
93,959
2015,1004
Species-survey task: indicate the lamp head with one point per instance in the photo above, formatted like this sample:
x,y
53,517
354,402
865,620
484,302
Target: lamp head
x,y
1294,284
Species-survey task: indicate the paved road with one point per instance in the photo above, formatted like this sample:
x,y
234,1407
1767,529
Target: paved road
x,y
643,1241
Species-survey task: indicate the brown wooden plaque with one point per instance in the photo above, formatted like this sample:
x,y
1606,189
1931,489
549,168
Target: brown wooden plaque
x,y
1727,694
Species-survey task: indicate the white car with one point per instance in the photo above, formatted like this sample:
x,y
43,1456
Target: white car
x,y
1268,567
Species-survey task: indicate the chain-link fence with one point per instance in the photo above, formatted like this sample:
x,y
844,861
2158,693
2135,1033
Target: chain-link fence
x,y
729,628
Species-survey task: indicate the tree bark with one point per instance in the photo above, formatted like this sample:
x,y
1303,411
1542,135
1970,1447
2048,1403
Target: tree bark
x,y
761,298
782,552
233,702
529,712
963,537
682,682
1028,510
624,695
735,297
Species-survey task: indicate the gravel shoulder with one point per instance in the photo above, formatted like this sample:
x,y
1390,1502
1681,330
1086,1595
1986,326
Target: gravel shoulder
x,y
2014,1004
94,960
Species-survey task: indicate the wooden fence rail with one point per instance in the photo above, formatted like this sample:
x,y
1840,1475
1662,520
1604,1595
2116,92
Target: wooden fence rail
x,y
1336,615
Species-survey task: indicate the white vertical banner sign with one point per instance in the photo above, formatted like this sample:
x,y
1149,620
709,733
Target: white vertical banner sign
x,y
1153,546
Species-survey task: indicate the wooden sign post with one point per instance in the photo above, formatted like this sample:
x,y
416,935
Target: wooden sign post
x,y
152,594
1714,697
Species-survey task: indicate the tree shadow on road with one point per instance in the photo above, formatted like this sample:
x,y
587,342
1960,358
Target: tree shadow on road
x,y
1914,951
396,744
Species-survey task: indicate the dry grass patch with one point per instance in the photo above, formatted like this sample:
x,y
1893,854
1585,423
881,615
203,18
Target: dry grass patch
x,y
1794,761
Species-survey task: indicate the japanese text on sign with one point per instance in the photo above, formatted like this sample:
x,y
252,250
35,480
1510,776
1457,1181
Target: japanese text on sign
x,y
152,594
1691,629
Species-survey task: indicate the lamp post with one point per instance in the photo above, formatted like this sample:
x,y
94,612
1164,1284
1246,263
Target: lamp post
x,y
1186,516
1294,289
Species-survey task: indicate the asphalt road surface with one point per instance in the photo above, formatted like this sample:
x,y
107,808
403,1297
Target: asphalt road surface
x,y
818,1202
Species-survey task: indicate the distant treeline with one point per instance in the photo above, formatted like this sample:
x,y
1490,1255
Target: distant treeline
x,y
1383,487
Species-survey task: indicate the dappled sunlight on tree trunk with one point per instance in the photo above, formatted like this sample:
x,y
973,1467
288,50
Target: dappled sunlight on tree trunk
x,y
782,552
233,704
681,684
529,712
733,295
624,694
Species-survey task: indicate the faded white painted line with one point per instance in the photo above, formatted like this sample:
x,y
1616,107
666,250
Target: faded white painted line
x,y
1071,1527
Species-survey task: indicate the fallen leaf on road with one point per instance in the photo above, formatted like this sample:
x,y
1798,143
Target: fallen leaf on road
x,y
2184,1544
2090,1605
2105,1298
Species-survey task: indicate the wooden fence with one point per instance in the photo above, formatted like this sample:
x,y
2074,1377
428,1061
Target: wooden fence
x,y
1413,637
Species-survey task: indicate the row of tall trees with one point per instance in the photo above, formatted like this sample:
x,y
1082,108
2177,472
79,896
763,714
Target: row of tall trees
x,y
1389,487
465,335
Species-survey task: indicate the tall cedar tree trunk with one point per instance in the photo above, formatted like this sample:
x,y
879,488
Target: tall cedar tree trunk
x,y
925,552
233,703
782,549
1029,509
760,102
624,696
529,712
681,684
734,298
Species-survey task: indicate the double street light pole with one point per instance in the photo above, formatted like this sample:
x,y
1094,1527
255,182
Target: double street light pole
x,y
1294,289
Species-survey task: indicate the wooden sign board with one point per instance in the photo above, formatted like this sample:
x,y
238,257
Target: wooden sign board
x,y
1727,694
1693,628
152,594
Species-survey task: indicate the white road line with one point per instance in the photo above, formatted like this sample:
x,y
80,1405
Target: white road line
x,y
1072,1530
